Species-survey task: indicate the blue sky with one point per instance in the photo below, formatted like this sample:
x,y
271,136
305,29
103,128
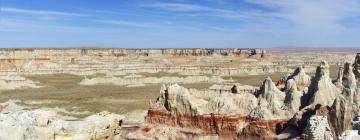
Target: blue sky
x,y
179,23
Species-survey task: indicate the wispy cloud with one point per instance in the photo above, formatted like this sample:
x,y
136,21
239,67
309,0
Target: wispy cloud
x,y
98,11
313,13
39,12
181,7
18,25
129,23
190,26
323,15
209,11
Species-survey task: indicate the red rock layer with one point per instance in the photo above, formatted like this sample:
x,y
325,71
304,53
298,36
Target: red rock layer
x,y
263,129
223,125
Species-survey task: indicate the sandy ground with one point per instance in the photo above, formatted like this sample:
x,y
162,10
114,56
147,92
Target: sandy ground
x,y
62,91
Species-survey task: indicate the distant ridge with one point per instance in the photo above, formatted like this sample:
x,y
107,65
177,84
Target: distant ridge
x,y
313,49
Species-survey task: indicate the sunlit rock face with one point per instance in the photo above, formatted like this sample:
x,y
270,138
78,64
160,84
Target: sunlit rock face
x,y
301,79
349,78
322,90
292,102
270,101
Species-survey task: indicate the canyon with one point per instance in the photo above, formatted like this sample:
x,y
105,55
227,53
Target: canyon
x,y
101,93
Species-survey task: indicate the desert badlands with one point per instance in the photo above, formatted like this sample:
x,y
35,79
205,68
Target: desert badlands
x,y
113,94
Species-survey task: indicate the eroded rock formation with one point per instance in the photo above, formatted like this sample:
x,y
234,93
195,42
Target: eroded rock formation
x,y
357,66
141,81
318,128
301,79
322,90
18,123
102,60
15,81
270,101
319,109
225,115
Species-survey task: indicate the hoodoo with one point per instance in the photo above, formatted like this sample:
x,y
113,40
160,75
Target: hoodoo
x,y
317,110
322,90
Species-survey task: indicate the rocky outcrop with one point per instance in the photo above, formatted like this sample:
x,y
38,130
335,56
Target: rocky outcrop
x,y
198,52
322,112
18,123
141,81
270,101
348,77
357,66
338,82
226,115
15,81
341,114
318,129
354,133
301,79
292,102
177,100
345,106
335,108
322,90
349,135
355,122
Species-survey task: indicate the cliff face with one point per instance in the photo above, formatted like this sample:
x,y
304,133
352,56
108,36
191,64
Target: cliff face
x,y
219,115
199,52
89,61
124,52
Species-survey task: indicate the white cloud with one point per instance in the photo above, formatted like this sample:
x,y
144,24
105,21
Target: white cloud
x,y
313,14
180,7
150,25
25,26
208,11
322,15
38,12
129,23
